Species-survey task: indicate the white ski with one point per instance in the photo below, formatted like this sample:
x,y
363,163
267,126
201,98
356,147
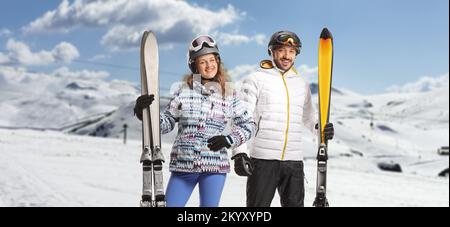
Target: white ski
x,y
151,158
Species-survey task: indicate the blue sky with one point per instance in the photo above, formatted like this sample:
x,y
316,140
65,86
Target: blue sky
x,y
378,43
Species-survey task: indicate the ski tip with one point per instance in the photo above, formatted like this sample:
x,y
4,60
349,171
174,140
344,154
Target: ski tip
x,y
151,34
144,37
326,34
148,33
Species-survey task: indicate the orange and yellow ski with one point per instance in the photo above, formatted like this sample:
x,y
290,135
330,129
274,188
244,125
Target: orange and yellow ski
x,y
324,83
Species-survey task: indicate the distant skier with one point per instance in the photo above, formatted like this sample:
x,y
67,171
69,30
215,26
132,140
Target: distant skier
x,y
202,107
280,101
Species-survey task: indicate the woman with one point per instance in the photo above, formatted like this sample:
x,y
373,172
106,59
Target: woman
x,y
202,108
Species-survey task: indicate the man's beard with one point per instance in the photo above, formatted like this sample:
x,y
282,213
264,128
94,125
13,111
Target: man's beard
x,y
280,66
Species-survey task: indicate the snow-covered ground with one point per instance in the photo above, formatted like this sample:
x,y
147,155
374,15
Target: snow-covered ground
x,y
56,169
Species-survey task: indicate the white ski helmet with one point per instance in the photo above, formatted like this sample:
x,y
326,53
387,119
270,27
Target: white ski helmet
x,y
201,45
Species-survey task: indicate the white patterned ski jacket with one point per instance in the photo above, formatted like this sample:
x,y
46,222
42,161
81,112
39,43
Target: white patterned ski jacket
x,y
202,115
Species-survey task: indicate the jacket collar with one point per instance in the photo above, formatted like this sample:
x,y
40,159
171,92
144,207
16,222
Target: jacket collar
x,y
268,65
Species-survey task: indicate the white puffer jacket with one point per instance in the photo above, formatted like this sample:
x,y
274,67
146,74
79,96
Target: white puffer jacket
x,y
282,107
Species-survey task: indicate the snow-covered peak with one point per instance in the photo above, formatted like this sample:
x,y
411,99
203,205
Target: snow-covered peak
x,y
315,89
41,100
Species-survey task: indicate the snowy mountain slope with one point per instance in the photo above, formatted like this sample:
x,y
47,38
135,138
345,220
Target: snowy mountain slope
x,y
401,128
112,125
63,97
56,169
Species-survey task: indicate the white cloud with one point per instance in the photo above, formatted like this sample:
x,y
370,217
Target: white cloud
x,y
4,59
310,74
121,37
20,53
174,21
424,84
13,78
236,39
260,39
99,57
5,32
82,74
20,75
241,71
65,52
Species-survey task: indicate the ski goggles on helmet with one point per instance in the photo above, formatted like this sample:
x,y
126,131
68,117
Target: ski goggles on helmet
x,y
288,39
198,43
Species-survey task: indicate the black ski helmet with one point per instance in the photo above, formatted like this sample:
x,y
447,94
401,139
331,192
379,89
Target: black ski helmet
x,y
282,38
201,45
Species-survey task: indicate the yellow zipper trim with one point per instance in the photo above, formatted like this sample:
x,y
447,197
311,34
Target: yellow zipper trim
x,y
295,70
288,116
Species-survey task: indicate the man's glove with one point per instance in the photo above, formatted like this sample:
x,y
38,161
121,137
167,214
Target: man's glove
x,y
216,143
328,131
242,165
142,102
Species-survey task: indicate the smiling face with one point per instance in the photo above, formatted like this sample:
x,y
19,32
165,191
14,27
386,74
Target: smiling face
x,y
284,57
207,66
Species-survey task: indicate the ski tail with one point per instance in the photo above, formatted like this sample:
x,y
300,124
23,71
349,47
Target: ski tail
x,y
324,84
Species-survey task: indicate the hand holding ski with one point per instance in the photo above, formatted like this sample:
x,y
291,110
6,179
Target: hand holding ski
x,y
142,102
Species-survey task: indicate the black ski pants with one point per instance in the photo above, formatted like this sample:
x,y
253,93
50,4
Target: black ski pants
x,y
270,175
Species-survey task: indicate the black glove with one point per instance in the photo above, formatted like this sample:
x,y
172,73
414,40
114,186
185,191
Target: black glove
x,y
242,165
218,142
328,131
142,102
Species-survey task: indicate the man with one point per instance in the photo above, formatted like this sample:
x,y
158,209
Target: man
x,y
280,101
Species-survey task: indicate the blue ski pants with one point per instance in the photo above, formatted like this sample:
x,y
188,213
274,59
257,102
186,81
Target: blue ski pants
x,y
181,185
